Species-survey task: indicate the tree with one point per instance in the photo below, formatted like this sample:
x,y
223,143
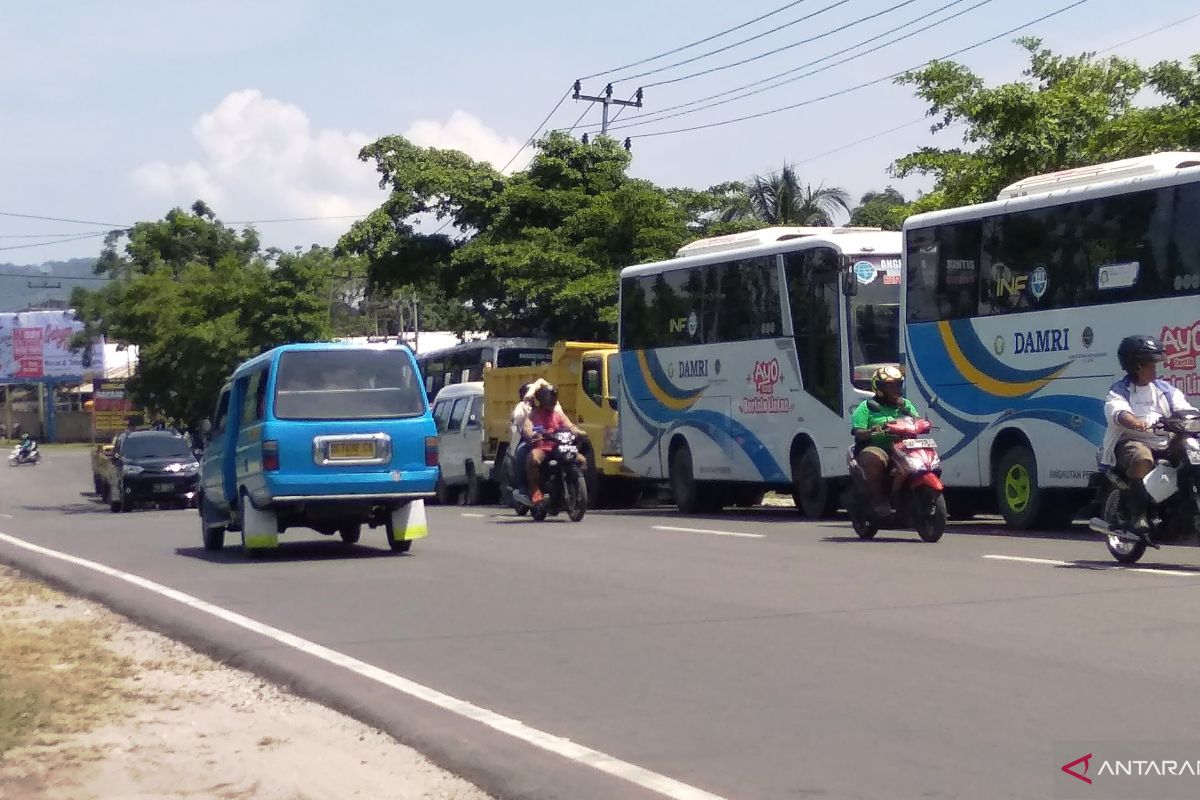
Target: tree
x,y
780,198
540,250
884,209
1068,112
198,298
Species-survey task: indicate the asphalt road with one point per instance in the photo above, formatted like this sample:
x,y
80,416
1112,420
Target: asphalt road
x,y
790,661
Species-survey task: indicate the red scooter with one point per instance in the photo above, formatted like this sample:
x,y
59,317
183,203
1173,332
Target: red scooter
x,y
916,498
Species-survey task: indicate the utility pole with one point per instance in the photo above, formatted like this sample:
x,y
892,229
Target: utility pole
x,y
607,100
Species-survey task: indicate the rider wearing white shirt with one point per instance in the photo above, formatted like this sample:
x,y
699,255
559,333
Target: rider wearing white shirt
x,y
1134,404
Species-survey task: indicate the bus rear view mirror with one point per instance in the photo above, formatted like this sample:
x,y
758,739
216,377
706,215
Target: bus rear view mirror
x,y
849,283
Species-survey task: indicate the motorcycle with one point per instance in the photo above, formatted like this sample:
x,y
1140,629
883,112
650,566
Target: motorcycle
x,y
19,457
916,498
564,487
1173,487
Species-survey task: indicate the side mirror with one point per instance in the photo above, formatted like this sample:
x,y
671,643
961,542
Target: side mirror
x,y
849,283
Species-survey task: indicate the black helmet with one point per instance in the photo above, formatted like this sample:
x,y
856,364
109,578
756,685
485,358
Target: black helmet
x,y
524,390
1135,350
546,396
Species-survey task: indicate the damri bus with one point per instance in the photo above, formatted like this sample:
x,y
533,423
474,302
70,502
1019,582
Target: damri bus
x,y
743,358
1013,311
466,362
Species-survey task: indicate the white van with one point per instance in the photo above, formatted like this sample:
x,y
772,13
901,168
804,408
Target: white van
x,y
458,412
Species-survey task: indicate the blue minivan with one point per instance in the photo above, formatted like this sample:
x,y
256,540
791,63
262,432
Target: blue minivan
x,y
324,436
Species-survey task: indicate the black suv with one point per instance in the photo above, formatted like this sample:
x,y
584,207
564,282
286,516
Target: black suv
x,y
151,466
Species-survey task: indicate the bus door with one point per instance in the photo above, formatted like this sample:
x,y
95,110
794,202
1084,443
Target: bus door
x,y
814,278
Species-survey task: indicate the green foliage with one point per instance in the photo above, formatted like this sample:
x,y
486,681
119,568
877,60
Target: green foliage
x,y
543,247
197,298
886,209
781,198
1069,112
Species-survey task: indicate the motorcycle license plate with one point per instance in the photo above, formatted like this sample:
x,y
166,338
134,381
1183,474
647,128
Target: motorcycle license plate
x,y
1193,456
919,444
568,449
164,487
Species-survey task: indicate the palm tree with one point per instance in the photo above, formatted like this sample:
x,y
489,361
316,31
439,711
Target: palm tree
x,y
781,199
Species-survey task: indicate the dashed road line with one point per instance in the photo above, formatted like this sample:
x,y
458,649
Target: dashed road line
x,y
1053,562
709,532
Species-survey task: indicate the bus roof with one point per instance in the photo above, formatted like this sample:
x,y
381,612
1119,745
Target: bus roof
x,y
1143,172
505,341
851,241
737,241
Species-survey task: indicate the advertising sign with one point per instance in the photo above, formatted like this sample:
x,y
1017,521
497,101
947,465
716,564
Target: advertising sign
x,y
111,406
37,344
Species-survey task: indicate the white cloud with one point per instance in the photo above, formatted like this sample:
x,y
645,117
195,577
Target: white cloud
x,y
261,159
467,133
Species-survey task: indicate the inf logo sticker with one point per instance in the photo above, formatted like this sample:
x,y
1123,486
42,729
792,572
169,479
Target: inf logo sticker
x,y
693,324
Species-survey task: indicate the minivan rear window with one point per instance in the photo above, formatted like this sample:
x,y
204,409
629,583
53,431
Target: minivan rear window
x,y
347,384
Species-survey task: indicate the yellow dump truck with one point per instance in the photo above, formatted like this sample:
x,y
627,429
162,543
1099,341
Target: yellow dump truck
x,y
583,373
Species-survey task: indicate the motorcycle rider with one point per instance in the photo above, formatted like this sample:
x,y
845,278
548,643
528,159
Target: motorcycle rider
x,y
544,420
1132,406
26,446
871,442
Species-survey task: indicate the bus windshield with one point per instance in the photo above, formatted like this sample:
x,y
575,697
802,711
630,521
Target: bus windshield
x,y
874,329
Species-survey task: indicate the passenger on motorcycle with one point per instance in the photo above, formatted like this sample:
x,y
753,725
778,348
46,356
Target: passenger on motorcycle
x,y
1132,406
544,420
26,444
870,438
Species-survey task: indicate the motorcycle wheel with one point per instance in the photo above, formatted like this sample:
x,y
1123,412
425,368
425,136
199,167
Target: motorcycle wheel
x,y
864,526
575,498
929,514
1123,550
539,511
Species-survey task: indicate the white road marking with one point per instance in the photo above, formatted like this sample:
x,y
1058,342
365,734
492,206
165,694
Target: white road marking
x,y
476,516
711,533
1056,563
668,787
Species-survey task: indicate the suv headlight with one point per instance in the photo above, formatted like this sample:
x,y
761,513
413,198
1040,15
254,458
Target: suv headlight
x,y
132,469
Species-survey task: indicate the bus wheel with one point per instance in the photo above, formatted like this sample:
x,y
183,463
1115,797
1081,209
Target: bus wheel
x,y
1017,491
683,481
809,490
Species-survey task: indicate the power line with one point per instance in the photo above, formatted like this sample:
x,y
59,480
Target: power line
x,y
662,114
46,235
692,44
865,84
739,43
291,219
45,276
60,219
533,135
57,241
1150,33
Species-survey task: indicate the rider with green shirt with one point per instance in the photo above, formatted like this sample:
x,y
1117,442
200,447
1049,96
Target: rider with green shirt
x,y
871,441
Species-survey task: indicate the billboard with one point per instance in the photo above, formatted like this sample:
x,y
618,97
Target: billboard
x,y
37,344
111,406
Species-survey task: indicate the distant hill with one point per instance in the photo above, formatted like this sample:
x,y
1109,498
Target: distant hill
x,y
52,283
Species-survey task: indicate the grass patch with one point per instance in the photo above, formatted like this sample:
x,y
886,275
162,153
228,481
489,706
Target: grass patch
x,y
57,677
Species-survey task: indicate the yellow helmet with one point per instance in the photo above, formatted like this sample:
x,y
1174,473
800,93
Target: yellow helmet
x,y
888,373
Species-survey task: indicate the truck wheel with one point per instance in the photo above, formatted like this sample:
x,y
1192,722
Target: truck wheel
x,y
350,533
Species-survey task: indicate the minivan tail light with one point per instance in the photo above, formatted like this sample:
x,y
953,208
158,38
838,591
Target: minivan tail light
x,y
270,454
431,451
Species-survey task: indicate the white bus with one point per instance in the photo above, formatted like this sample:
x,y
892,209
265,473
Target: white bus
x,y
1013,311
743,358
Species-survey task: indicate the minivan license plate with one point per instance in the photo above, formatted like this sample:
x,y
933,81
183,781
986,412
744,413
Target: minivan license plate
x,y
346,451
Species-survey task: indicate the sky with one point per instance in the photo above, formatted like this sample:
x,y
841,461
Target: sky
x,y
116,112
